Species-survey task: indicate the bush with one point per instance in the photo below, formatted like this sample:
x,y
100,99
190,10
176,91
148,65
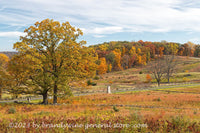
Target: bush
x,y
11,110
148,78
157,99
115,109
89,82
140,72
186,79
96,78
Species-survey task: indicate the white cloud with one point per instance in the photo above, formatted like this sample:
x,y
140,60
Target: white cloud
x,y
11,34
98,36
107,16
103,30
107,30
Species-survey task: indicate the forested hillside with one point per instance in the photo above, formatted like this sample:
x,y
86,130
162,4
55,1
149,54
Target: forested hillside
x,y
118,55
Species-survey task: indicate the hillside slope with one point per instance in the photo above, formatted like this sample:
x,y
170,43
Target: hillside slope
x,y
187,70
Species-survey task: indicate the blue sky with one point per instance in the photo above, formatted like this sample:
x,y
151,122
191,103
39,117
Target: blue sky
x,y
105,20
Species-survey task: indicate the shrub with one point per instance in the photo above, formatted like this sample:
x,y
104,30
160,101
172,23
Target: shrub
x,y
159,99
195,112
96,78
89,82
11,110
186,79
148,78
115,109
140,72
186,71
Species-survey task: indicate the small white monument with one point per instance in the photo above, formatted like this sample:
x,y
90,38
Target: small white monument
x,y
108,90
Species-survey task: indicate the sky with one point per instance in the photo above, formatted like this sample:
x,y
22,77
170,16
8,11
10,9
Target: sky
x,y
105,20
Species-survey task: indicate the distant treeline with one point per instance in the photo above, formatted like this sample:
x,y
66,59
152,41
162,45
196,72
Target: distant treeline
x,y
119,55
8,53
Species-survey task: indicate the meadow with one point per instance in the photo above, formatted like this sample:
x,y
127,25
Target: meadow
x,y
140,111
171,107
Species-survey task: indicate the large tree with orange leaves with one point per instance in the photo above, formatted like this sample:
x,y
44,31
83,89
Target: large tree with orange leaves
x,y
60,55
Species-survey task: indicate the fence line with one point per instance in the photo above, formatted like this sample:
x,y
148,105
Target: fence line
x,y
115,90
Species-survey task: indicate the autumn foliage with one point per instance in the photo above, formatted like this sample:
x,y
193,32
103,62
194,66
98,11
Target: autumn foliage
x,y
148,78
103,67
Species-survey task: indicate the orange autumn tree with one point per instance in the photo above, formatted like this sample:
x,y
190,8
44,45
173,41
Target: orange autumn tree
x,y
144,59
117,65
103,67
161,51
139,57
61,57
133,56
132,51
3,74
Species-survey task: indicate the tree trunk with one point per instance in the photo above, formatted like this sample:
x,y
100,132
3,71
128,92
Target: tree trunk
x,y
55,90
168,76
45,98
158,83
168,79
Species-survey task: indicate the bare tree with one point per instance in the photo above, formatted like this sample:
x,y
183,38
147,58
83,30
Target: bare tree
x,y
158,69
170,62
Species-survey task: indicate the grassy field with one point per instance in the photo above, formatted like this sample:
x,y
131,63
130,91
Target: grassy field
x,y
172,107
140,111
187,70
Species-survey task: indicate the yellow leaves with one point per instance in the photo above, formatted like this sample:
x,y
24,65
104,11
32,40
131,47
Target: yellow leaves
x,y
173,48
138,51
139,59
144,59
132,51
3,61
50,52
117,54
103,47
3,58
82,42
102,68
